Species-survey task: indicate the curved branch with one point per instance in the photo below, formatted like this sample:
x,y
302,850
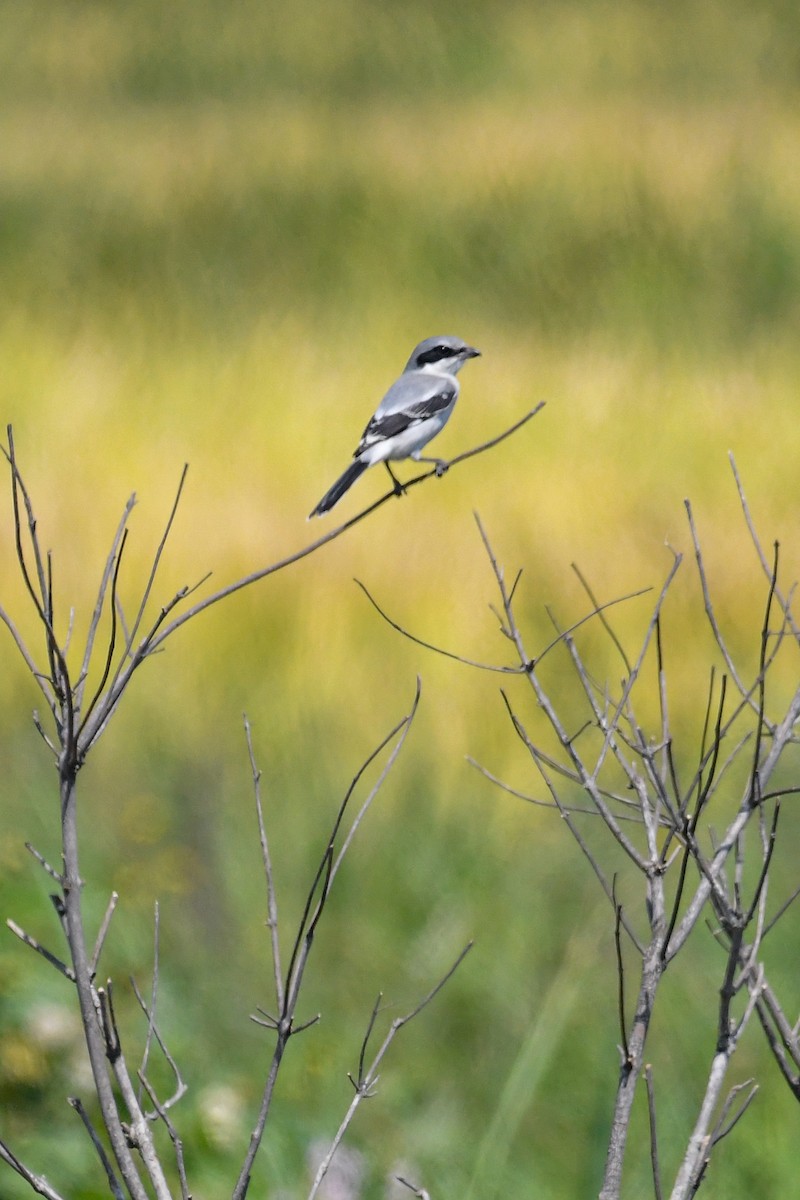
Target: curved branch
x,y
332,534
499,669
159,632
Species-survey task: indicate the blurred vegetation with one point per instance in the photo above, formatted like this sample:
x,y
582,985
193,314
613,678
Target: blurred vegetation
x,y
222,228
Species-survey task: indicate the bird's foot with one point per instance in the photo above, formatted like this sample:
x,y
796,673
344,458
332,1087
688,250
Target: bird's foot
x,y
397,486
439,464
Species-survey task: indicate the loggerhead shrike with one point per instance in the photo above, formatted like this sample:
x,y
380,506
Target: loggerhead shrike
x,y
415,408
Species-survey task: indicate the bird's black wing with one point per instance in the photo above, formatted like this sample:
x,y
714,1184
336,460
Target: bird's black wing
x,y
388,424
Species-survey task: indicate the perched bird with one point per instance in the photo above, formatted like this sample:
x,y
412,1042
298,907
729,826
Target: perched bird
x,y
415,408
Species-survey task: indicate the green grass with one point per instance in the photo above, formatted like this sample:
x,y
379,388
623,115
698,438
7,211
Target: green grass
x,y
221,231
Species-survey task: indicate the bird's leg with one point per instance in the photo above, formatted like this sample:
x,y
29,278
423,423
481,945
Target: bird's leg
x,y
440,464
399,490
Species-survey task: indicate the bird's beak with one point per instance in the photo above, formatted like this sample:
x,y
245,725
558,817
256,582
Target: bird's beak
x,y
470,352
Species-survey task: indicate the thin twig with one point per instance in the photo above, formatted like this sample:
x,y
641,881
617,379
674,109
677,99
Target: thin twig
x,y
41,680
44,864
369,1078
566,814
651,1112
417,1191
102,932
376,1008
113,1183
626,1054
112,637
272,903
501,669
138,1131
151,1010
724,1126
709,607
770,925
756,788
180,1086
765,564
603,620
573,809
403,729
176,1140
59,674
418,641
101,595
320,887
156,561
37,1182
40,949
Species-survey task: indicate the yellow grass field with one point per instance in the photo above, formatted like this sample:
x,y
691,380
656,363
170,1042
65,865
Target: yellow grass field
x,y
222,230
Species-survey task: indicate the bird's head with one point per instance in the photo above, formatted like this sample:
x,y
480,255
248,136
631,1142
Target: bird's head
x,y
443,355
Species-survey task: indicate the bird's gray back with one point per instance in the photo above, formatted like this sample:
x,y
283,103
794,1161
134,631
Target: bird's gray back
x,y
419,400
416,387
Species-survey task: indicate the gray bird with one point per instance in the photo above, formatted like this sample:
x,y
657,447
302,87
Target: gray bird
x,y
416,407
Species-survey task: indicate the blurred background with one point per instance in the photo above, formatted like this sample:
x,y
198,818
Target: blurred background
x,y
222,229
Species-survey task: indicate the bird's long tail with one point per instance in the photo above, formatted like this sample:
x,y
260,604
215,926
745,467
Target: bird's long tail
x,y
334,494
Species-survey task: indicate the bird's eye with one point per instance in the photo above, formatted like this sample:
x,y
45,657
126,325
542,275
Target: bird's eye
x,y
435,354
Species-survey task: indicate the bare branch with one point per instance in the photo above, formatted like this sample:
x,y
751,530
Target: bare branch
x,y
724,1126
18,489
755,778
710,878
151,1010
599,610
40,949
113,1182
177,1142
41,680
37,1182
44,864
180,1085
159,632
782,1038
138,1131
102,933
156,561
367,1080
537,800
651,1112
404,728
626,1055
495,441
272,904
283,1030
417,1191
765,564
587,778
108,569
112,638
37,724
709,607
332,534
566,814
695,1159
783,908
468,662
365,1042
315,903
42,601
769,850
498,669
